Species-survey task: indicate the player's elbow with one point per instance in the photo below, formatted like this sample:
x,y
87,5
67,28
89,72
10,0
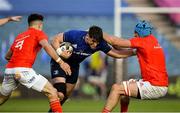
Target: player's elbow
x,y
7,58
53,41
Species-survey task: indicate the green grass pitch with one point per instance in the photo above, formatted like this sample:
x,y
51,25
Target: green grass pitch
x,y
88,105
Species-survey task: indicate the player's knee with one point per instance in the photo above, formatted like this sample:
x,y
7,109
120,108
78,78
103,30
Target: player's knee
x,y
53,93
61,95
61,88
115,87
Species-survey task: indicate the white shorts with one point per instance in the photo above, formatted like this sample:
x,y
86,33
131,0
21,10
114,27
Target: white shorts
x,y
28,78
148,91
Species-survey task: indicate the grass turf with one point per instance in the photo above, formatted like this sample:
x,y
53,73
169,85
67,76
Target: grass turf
x,y
89,105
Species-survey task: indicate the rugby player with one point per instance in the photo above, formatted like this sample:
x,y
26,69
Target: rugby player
x,y
21,57
85,43
154,82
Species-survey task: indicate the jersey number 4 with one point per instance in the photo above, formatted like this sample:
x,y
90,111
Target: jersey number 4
x,y
19,44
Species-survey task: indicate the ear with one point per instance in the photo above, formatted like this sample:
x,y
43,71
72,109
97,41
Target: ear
x,y
40,25
136,34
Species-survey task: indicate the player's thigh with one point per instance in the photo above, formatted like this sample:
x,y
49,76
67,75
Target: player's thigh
x,y
31,79
57,73
72,80
133,89
40,84
8,85
149,91
130,88
74,76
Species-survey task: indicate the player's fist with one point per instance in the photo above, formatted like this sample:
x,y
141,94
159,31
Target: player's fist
x,y
66,54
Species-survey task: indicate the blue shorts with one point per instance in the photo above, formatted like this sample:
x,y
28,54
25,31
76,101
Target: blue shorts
x,y
57,71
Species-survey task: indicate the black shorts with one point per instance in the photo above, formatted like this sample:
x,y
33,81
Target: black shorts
x,y
57,71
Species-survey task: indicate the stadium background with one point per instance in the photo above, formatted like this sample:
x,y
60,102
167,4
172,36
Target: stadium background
x,y
61,15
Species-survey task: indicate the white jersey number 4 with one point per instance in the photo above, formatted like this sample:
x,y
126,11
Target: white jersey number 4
x,y
19,44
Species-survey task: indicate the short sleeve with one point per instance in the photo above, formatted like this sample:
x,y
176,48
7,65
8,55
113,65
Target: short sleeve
x,y
69,36
136,42
41,36
105,47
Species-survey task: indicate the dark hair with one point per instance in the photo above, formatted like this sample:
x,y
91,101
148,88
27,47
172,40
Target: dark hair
x,y
34,17
96,33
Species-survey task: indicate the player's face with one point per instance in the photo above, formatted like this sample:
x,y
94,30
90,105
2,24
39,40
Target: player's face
x,y
91,42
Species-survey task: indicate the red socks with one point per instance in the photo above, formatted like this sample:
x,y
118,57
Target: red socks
x,y
56,106
105,110
124,107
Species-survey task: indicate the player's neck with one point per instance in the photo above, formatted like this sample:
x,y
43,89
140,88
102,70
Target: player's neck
x,y
35,27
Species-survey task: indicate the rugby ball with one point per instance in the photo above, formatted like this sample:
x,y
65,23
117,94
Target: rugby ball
x,y
66,46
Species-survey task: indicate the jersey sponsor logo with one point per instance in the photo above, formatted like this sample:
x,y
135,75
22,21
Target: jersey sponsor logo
x,y
56,72
81,53
22,38
157,46
31,80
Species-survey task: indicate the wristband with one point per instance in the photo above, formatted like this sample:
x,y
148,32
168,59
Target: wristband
x,y
59,59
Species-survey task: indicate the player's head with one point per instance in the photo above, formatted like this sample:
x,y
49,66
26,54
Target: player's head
x,y
143,29
94,36
35,20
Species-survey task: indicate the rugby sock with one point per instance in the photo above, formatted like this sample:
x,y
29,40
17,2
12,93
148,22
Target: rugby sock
x,y
105,110
61,102
56,106
124,107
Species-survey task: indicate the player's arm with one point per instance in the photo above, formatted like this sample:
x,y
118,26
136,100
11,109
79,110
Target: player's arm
x,y
122,53
52,53
116,41
8,55
56,41
8,19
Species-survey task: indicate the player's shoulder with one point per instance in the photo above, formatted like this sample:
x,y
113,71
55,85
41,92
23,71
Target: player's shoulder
x,y
39,33
22,34
76,31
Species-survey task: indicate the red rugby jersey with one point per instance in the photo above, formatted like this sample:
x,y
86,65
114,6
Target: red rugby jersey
x,y
25,48
151,59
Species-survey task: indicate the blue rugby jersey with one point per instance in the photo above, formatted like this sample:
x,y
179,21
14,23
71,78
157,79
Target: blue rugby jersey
x,y
81,49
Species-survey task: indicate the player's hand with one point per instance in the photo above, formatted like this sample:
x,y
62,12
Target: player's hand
x,y
66,54
65,67
15,18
